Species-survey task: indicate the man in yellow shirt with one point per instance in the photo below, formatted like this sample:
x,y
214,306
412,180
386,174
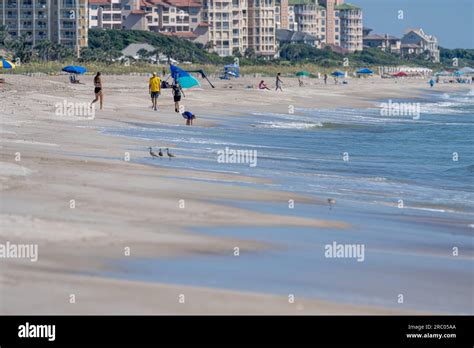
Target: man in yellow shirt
x,y
154,87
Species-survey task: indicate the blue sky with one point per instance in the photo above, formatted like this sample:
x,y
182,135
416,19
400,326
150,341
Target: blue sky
x,y
451,21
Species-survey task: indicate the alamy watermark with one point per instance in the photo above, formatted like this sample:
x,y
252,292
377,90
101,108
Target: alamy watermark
x,y
19,251
237,156
335,250
400,109
75,110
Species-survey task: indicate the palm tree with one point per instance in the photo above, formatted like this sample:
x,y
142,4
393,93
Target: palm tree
x,y
44,49
156,53
142,54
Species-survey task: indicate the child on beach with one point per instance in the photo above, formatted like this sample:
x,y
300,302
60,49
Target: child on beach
x,y
177,92
189,116
154,86
98,90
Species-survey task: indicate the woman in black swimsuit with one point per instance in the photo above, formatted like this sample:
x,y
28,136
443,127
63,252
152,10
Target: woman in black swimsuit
x,y
177,92
98,90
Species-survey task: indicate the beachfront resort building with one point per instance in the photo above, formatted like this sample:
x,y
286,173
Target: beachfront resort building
x,y
228,26
310,18
105,14
417,42
285,36
350,26
181,18
59,21
262,28
332,22
241,26
387,43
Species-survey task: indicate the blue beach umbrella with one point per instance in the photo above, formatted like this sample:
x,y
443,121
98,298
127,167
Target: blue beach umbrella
x,y
75,69
365,71
338,73
185,79
6,64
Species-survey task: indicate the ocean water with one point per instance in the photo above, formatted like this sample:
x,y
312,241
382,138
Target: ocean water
x,y
428,163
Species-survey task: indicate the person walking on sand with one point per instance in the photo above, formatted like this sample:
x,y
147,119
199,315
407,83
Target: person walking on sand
x,y
154,86
99,95
177,92
189,116
325,79
279,82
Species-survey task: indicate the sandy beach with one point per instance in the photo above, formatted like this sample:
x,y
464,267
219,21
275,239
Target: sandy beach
x,y
83,197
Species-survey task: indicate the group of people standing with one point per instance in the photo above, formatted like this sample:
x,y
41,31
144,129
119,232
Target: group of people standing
x,y
154,89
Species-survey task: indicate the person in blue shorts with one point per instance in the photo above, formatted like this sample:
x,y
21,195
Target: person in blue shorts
x,y
189,117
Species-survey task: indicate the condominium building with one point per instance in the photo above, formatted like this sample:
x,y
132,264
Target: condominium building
x,y
59,21
332,22
310,18
332,28
228,24
105,14
350,26
27,17
281,8
261,27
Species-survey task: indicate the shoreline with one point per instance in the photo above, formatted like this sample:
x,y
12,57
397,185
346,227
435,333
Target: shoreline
x,y
61,162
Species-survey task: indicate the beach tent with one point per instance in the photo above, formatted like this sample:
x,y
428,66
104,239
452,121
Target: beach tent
x,y
401,74
74,69
185,79
6,64
338,74
466,70
365,71
443,73
232,70
302,73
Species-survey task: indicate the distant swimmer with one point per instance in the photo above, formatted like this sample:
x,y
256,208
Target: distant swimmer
x,y
99,95
152,153
154,87
189,116
169,154
331,202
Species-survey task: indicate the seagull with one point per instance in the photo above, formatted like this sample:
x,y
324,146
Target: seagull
x,y
331,202
152,153
160,153
169,154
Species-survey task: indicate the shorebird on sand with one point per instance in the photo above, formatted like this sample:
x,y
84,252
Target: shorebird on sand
x,y
169,154
331,202
153,154
160,153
